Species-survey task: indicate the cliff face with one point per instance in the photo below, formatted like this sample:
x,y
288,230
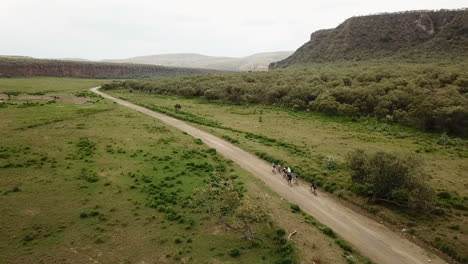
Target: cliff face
x,y
25,67
376,36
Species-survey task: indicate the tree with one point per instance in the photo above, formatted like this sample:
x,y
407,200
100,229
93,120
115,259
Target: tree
x,y
12,94
224,199
399,179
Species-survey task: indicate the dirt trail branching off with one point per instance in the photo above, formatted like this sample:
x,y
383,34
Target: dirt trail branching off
x,y
372,239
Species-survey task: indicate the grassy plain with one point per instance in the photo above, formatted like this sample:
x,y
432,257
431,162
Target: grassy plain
x,y
317,144
98,182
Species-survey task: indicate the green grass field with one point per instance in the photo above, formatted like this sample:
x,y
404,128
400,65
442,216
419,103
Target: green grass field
x,y
317,144
98,182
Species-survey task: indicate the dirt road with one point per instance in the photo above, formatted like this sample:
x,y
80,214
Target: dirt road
x,y
372,239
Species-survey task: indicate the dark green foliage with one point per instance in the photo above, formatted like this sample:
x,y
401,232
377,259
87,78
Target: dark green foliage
x,y
91,213
198,141
211,151
234,253
89,175
280,232
86,148
344,245
83,215
328,231
429,96
295,208
87,94
232,140
399,179
13,190
448,249
28,237
12,93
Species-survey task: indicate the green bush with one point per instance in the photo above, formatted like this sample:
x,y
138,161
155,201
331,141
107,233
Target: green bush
x,y
280,232
234,253
399,179
344,245
328,231
295,208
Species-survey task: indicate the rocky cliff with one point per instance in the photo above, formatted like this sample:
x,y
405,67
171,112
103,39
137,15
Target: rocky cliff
x,y
25,67
407,34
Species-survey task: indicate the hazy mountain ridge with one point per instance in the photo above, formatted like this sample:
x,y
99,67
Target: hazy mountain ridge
x,y
255,62
405,34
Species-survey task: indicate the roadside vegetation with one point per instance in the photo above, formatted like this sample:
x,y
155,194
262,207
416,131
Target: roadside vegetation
x,y
428,96
97,182
413,181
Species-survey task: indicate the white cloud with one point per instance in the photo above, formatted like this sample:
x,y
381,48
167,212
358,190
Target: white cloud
x,y
97,29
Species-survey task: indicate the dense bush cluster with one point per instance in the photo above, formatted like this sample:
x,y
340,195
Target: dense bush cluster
x,y
398,179
428,96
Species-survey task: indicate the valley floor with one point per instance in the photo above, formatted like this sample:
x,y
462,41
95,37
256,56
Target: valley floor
x,y
318,144
90,181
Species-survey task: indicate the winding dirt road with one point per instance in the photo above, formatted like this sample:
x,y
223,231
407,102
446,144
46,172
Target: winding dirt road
x,y
372,239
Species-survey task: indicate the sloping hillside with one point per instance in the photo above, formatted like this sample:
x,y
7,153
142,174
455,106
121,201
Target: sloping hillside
x,y
415,34
26,66
255,62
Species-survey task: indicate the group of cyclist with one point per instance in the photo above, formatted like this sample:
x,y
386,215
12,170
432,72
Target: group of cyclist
x,y
292,178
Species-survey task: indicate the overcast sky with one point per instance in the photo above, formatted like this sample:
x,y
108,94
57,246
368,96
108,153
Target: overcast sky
x,y
98,29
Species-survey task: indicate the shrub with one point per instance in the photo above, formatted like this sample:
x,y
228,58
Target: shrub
x,y
234,253
344,245
444,195
28,237
232,140
397,179
280,232
99,240
295,208
328,231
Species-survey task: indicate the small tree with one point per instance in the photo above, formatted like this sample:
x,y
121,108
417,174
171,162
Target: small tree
x,y
177,107
12,93
225,200
398,179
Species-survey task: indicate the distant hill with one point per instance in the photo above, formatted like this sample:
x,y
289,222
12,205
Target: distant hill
x,y
413,34
74,59
17,66
256,62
